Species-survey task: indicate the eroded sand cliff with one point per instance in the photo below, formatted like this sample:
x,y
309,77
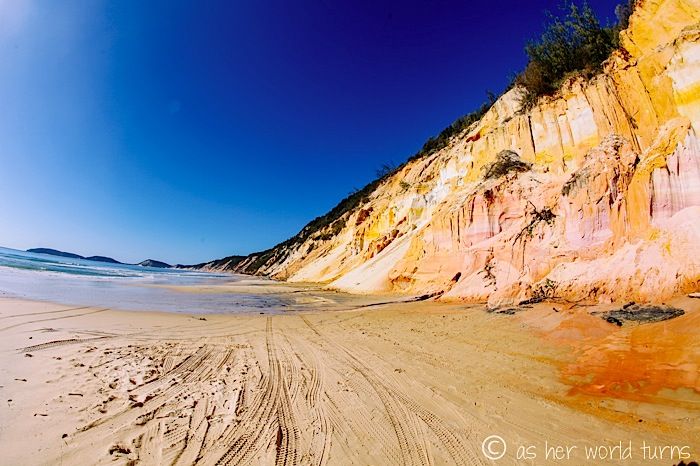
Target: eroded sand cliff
x,y
597,198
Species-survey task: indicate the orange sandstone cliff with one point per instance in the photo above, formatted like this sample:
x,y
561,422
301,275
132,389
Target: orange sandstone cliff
x,y
593,194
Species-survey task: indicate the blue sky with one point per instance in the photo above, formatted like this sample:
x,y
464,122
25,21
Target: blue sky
x,y
187,131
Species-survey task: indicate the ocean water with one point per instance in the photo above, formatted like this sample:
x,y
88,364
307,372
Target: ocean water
x,y
80,282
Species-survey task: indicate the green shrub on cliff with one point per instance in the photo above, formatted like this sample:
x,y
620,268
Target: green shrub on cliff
x,y
623,12
506,162
575,44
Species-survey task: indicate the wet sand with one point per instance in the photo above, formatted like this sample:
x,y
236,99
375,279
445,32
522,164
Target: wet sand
x,y
403,383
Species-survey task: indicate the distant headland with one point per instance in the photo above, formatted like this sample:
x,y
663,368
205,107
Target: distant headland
x,y
109,260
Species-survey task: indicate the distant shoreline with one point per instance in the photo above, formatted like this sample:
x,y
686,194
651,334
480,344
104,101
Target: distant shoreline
x,y
109,260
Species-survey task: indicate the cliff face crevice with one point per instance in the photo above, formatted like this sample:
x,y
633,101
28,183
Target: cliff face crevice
x,y
597,197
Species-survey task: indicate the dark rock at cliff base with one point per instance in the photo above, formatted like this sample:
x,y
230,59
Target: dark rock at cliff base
x,y
154,263
507,310
641,313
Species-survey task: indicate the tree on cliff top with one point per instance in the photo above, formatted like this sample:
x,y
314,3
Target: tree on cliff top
x,y
572,44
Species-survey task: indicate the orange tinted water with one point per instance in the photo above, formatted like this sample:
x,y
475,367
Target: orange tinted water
x,y
654,362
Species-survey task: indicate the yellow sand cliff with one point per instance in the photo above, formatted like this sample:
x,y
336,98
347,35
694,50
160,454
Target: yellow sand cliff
x,y
608,209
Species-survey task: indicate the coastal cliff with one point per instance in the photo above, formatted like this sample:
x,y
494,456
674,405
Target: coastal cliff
x,y
592,194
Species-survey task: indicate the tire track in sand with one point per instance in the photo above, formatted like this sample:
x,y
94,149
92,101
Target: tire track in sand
x,y
108,425
288,433
199,425
396,404
409,444
45,312
54,343
321,435
270,413
54,318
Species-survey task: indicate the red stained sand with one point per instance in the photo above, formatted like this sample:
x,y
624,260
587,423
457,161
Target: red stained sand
x,y
654,362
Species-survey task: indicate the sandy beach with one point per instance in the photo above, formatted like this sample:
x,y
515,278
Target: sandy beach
x,y
402,383
350,233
